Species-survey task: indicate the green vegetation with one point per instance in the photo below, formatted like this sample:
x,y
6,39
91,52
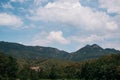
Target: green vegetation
x,y
31,52
38,52
104,68
92,52
38,63
8,67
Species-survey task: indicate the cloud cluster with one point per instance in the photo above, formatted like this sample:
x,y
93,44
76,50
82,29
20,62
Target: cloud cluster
x,y
112,6
72,12
10,20
39,2
97,26
57,36
21,1
7,6
87,39
45,38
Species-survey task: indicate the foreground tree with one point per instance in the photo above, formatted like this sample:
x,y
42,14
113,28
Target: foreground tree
x,y
8,67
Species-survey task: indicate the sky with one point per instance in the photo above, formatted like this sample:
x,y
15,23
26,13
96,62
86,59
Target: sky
x,y
63,24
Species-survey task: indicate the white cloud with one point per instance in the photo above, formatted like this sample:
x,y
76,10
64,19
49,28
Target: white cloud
x,y
117,19
46,39
29,26
7,5
10,20
111,45
57,36
112,26
72,12
21,1
108,40
87,39
91,38
112,6
37,2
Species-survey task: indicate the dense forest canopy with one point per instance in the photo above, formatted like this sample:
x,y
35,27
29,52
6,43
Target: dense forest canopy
x,y
8,67
105,68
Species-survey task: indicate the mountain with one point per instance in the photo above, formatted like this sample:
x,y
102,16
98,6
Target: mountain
x,y
92,51
22,51
38,52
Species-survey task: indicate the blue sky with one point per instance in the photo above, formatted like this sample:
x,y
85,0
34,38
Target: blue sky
x,y
64,24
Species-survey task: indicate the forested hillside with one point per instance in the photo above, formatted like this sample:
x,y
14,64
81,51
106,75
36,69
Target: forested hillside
x,y
38,52
104,68
92,52
91,62
31,52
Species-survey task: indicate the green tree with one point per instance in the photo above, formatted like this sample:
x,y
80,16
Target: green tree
x,y
8,67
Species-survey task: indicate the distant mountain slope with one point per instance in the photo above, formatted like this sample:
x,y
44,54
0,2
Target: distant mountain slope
x,y
37,52
22,51
92,51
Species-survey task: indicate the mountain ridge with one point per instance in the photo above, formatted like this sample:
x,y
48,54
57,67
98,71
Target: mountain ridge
x,y
93,51
22,51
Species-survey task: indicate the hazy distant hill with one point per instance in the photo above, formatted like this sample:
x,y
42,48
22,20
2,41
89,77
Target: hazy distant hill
x,y
36,52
